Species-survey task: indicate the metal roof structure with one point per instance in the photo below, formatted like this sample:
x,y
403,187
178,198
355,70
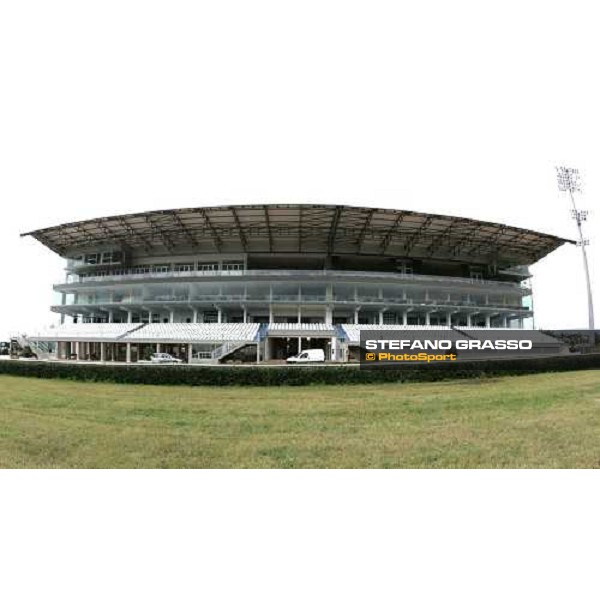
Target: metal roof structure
x,y
304,228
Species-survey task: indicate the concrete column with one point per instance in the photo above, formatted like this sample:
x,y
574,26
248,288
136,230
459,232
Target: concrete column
x,y
245,315
356,316
405,318
128,354
299,345
469,320
195,319
102,351
110,316
427,318
328,315
299,314
129,316
504,321
77,350
488,320
172,316
381,317
149,316
190,353
270,313
219,316
157,348
448,319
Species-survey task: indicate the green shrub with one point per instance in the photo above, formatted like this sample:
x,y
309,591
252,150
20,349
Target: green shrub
x,y
298,375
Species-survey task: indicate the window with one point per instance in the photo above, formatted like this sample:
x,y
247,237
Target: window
x,y
233,266
91,259
182,268
111,258
161,268
476,273
208,266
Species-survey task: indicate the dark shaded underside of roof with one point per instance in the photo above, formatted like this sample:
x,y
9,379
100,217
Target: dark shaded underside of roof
x,y
304,228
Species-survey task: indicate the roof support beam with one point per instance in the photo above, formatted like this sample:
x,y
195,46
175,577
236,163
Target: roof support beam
x,y
388,236
414,238
363,231
213,232
132,232
239,229
158,230
179,223
300,215
333,228
268,224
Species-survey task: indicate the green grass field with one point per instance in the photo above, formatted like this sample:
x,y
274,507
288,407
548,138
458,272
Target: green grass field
x,y
550,420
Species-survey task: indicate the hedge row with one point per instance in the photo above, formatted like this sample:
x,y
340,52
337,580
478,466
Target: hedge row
x,y
266,376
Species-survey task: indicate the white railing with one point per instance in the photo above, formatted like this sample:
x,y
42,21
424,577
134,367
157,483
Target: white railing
x,y
226,348
293,274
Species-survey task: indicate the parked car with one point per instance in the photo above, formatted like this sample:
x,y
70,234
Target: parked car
x,y
164,358
314,355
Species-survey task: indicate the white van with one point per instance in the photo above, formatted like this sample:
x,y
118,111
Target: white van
x,y
314,355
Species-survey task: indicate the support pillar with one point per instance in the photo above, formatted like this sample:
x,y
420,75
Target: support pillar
x,y
172,316
129,316
328,315
128,353
110,316
504,321
488,321
158,348
381,317
195,318
270,313
245,315
427,318
356,316
219,316
469,320
190,353
299,316
449,319
102,351
299,345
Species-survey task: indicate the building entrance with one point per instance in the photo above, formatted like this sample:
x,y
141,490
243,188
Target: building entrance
x,y
281,348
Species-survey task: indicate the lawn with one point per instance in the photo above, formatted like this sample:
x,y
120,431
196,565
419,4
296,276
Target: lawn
x,y
549,420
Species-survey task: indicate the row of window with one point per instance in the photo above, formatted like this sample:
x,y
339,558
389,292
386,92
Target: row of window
x,y
165,268
99,258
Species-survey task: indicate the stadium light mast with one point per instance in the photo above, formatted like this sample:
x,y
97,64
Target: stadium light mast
x,y
569,181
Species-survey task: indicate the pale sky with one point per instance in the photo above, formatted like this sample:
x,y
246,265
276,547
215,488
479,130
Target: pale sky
x,y
450,107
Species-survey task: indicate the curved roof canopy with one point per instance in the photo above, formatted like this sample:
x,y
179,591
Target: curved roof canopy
x,y
304,228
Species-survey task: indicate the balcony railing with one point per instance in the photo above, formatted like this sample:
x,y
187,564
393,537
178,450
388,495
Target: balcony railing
x,y
323,274
363,301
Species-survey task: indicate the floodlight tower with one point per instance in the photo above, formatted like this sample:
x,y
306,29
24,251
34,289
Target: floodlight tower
x,y
569,181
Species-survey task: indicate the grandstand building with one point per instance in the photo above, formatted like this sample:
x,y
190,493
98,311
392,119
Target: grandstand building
x,y
265,281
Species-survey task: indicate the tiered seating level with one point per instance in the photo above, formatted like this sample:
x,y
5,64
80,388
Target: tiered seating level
x,y
195,332
91,332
